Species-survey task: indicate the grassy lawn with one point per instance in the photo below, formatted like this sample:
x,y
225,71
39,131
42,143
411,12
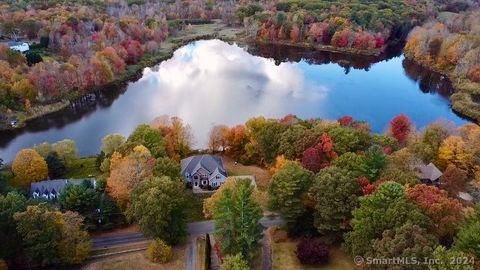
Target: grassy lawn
x,y
137,260
284,258
262,175
194,210
82,168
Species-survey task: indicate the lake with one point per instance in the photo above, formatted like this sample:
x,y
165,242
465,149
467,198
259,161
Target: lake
x,y
213,82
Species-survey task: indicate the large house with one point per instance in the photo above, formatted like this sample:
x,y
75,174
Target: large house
x,y
51,189
203,171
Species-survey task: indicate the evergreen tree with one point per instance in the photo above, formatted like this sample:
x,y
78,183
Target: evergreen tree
x,y
56,168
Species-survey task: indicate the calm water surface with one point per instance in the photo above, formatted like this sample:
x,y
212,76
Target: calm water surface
x,y
212,82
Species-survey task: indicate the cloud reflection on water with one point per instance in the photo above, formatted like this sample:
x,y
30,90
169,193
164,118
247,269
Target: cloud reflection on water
x,y
212,82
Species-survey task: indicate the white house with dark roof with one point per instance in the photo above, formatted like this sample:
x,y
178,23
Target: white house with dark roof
x,y
51,189
203,171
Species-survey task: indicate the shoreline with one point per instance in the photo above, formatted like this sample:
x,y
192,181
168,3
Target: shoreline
x,y
211,30
460,105
133,72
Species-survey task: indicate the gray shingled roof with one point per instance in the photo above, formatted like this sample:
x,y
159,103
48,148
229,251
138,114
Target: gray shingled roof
x,y
430,172
208,162
55,186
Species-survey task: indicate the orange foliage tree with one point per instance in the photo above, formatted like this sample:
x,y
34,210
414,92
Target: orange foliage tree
x,y
446,213
126,172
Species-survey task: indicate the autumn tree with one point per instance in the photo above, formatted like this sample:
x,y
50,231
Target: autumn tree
x,y
445,257
234,262
453,180
288,191
50,237
400,128
29,167
280,162
112,142
66,150
295,140
390,203
446,213
167,167
236,217
430,140
318,157
335,194
454,151
158,205
468,238
10,204
407,241
236,140
217,140
149,137
351,162
127,172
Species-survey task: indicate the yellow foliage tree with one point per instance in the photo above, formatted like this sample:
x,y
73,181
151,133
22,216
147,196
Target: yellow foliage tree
x,y
280,161
454,151
126,172
159,252
29,167
230,183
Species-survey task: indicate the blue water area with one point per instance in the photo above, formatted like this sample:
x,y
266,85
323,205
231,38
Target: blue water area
x,y
212,82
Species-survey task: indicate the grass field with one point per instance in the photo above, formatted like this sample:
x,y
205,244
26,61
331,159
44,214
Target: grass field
x,y
194,211
284,258
82,168
262,175
137,260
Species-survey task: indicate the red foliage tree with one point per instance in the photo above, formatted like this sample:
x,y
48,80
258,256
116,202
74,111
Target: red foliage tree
x,y
345,121
400,128
295,33
367,187
446,213
319,157
312,251
326,147
312,160
134,50
453,180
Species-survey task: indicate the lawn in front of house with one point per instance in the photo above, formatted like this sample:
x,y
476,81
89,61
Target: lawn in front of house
x,y
137,260
194,211
82,168
284,258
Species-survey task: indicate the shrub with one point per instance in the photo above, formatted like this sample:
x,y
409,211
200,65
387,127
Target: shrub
x,y
159,252
234,263
312,251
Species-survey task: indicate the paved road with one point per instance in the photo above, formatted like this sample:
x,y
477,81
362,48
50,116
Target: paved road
x,y
194,229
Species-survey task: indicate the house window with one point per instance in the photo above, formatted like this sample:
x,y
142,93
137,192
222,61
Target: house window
x,y
204,182
196,183
195,177
217,177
